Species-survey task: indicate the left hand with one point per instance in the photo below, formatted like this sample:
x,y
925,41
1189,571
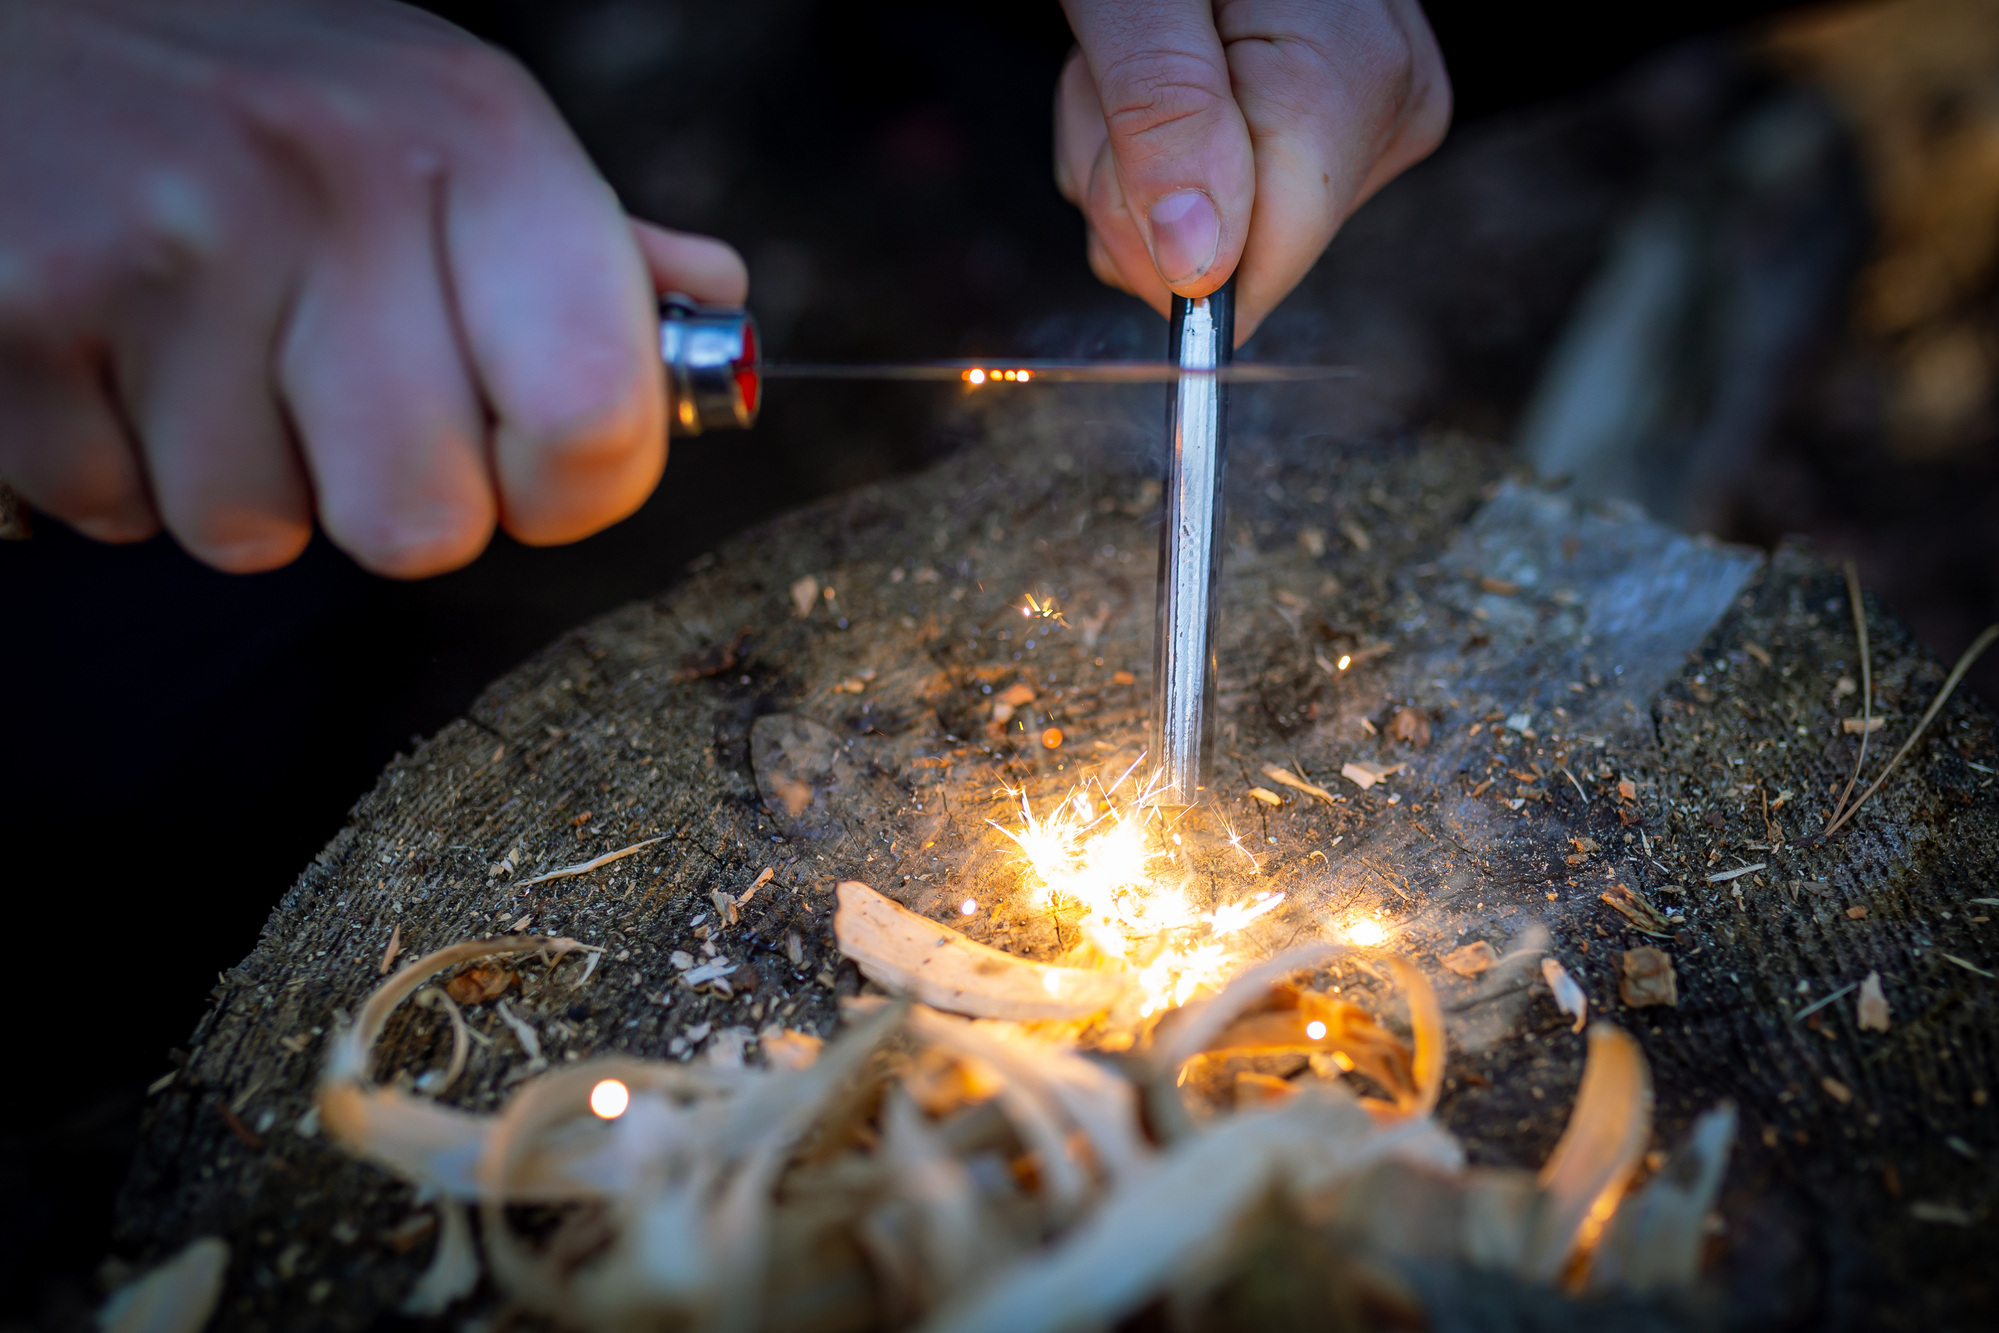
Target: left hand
x,y
1203,139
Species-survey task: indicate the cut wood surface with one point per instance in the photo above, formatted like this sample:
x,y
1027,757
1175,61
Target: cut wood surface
x,y
1597,726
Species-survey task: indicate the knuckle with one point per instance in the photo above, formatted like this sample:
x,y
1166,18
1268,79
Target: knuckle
x,y
411,545
484,85
1150,90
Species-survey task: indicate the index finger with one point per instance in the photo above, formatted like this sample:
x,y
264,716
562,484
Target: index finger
x,y
557,311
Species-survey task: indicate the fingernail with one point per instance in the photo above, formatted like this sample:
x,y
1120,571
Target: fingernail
x,y
1186,231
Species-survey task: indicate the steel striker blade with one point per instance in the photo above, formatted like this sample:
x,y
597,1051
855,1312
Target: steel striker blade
x,y
1190,549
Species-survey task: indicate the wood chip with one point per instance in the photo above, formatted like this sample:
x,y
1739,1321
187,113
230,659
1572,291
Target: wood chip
x,y
1627,790
1357,535
1859,726
1410,727
395,947
1265,795
1836,1090
1757,651
1857,913
1471,959
1737,873
1481,788
1873,1006
1016,695
804,596
769,873
1648,978
1289,779
1365,775
1641,913
1503,587
476,985
709,973
1123,678
908,953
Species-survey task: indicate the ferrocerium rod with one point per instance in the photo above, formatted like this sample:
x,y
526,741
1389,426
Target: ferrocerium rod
x,y
1190,547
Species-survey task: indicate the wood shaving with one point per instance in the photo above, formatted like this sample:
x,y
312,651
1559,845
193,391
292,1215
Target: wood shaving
x,y
1265,795
1569,997
395,947
179,1296
1737,873
523,1031
947,970
1287,778
1872,1009
585,867
436,1083
769,873
703,1205
1967,966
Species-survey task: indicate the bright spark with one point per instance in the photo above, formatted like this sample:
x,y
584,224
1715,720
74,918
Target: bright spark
x,y
1366,933
609,1099
1345,661
975,377
1316,1030
1096,855
969,907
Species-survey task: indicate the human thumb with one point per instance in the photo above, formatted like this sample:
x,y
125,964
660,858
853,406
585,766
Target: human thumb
x,y
1180,149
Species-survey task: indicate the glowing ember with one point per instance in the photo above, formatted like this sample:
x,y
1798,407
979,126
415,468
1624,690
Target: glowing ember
x,y
1052,738
609,1099
975,377
1093,853
1316,1030
1365,932
969,907
1345,661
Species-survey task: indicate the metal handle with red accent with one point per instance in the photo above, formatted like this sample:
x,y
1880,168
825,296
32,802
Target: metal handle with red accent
x,y
714,365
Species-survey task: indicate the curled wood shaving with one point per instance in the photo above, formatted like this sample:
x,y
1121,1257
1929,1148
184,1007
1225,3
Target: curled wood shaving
x,y
454,1266
1654,1242
179,1296
1570,998
840,1192
1606,1136
915,955
434,1083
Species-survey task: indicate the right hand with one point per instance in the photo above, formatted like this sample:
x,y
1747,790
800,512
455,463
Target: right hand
x,y
261,259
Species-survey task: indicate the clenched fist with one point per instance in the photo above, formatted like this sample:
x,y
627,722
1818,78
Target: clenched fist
x,y
266,259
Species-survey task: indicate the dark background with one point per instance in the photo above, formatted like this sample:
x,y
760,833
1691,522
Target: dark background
x,y
181,742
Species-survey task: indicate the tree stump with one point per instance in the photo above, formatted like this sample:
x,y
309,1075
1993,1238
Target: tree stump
x,y
1604,709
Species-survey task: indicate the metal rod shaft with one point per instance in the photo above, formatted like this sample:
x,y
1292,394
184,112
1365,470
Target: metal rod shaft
x,y
1190,547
